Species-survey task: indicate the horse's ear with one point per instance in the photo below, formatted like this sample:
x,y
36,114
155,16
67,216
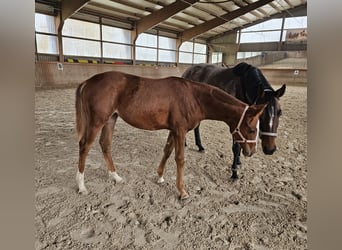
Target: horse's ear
x,y
280,92
256,110
260,108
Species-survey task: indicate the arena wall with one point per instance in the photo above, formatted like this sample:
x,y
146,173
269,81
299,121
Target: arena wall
x,y
47,74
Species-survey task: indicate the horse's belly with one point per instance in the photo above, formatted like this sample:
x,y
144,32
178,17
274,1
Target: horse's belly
x,y
146,119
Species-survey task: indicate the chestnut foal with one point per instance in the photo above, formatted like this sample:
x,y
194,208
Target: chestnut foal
x,y
171,103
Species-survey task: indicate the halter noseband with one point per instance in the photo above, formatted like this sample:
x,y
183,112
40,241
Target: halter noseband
x,y
237,130
268,133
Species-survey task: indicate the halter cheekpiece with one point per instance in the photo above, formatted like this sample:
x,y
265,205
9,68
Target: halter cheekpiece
x,y
237,130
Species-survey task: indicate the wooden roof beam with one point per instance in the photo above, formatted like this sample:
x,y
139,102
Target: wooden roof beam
x,y
197,30
68,8
158,16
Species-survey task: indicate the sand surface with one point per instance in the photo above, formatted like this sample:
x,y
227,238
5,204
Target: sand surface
x,y
265,209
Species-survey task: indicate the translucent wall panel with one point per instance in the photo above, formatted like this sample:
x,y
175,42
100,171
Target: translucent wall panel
x,y
45,23
295,23
186,47
273,24
146,54
185,57
167,56
77,47
198,58
81,29
167,43
200,48
46,44
259,37
147,40
113,34
216,57
119,51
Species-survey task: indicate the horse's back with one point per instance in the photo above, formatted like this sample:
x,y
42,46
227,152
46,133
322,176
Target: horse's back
x,y
202,72
142,102
215,75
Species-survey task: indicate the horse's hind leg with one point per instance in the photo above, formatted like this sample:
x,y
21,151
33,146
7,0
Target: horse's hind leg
x,y
84,147
167,152
106,146
198,139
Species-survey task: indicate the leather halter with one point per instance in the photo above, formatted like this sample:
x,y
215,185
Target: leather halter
x,y
237,130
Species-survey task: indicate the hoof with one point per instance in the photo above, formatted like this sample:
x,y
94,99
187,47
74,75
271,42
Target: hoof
x,y
184,197
184,200
234,177
160,180
83,191
114,176
200,149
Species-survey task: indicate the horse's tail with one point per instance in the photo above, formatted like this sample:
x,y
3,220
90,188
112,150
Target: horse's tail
x,y
81,113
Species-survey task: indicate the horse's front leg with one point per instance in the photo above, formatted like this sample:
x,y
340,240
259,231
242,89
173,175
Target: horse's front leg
x,y
169,146
179,157
198,139
236,160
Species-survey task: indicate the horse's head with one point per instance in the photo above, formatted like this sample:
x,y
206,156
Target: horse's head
x,y
269,119
246,131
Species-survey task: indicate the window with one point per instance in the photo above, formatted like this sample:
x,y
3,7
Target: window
x,y
117,35
46,37
119,51
78,47
269,31
295,23
47,44
147,40
190,52
82,29
258,37
116,43
167,49
216,57
45,23
146,54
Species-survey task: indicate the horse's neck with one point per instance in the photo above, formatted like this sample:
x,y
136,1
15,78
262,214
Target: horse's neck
x,y
217,105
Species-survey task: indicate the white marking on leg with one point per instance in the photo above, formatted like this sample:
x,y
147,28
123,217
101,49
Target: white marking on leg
x,y
160,180
115,176
80,182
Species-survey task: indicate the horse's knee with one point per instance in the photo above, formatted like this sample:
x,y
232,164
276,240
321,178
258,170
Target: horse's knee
x,y
104,145
179,161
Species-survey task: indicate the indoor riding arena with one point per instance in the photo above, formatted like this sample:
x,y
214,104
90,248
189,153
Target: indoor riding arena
x,y
264,208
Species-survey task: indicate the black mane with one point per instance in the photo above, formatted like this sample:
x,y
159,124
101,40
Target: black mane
x,y
251,80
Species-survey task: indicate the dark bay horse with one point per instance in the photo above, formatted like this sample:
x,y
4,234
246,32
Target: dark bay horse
x,y
248,84
170,103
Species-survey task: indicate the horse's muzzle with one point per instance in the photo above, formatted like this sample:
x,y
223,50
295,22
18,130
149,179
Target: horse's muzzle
x,y
248,153
268,151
